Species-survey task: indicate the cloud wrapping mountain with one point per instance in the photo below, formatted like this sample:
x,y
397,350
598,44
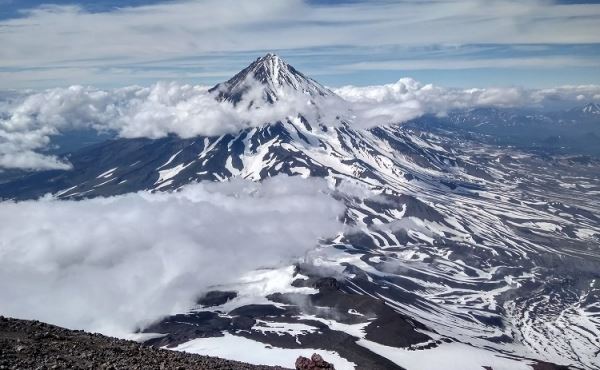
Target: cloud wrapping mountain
x,y
125,260
153,112
28,121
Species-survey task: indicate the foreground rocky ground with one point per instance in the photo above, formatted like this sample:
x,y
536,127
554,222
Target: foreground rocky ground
x,y
36,345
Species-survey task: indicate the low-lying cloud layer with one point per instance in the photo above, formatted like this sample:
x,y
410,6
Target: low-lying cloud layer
x,y
411,98
151,112
28,121
110,264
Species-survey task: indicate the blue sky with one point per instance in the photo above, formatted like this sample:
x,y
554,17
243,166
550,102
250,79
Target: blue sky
x,y
455,43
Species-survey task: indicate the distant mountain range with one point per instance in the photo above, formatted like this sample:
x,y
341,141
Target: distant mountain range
x,y
470,245
575,131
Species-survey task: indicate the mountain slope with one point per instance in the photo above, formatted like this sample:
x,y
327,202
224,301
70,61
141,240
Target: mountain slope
x,y
273,78
576,131
472,247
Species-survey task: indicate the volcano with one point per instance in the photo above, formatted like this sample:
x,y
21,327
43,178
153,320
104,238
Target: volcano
x,y
461,251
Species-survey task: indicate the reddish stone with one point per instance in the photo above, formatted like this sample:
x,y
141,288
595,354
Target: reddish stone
x,y
316,362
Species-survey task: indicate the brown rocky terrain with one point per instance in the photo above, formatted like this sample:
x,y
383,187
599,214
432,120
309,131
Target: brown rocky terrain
x,y
36,345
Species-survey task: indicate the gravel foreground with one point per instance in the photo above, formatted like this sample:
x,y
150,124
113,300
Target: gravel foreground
x,y
28,344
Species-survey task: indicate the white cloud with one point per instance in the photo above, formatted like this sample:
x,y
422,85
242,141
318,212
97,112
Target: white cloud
x,y
74,40
110,264
475,63
27,159
153,112
28,121
411,98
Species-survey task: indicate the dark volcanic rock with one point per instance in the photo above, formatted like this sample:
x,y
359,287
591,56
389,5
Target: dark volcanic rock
x,y
185,327
216,298
549,366
36,345
257,310
327,284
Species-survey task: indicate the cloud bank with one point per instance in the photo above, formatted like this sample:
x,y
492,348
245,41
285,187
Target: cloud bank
x,y
28,121
111,264
408,98
27,124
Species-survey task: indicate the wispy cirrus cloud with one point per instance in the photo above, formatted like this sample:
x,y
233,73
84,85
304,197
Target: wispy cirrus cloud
x,y
99,44
476,63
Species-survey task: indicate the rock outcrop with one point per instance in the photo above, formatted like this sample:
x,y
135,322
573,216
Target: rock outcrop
x,y
316,362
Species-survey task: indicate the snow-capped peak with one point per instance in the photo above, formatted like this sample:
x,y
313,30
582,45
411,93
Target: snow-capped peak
x,y
273,78
591,108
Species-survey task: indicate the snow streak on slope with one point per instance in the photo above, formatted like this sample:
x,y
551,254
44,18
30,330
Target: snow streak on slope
x,y
468,240
488,246
275,79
